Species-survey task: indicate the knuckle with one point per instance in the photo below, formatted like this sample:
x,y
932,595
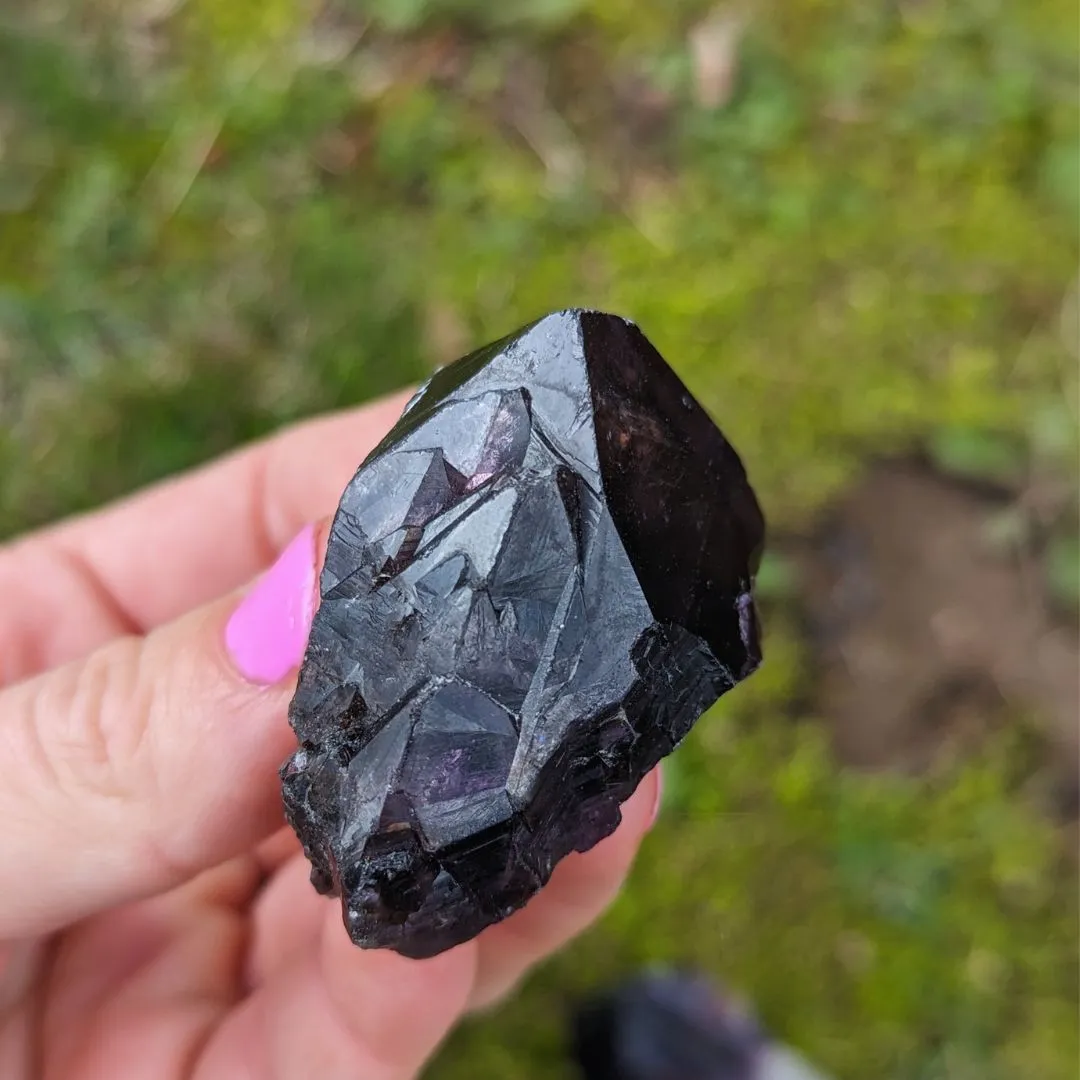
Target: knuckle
x,y
85,729
87,769
56,606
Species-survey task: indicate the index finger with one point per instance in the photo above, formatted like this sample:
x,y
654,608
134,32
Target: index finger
x,y
151,557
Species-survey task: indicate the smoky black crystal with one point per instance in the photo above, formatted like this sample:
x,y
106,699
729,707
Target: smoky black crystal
x,y
534,586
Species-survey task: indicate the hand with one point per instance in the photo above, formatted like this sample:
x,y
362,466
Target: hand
x,y
157,919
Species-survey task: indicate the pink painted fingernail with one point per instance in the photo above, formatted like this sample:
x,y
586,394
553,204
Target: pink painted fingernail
x,y
658,799
266,635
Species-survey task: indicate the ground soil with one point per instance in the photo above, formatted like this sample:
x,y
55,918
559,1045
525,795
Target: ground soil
x,y
928,637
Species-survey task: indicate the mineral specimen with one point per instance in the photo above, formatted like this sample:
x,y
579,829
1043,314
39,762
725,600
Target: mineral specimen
x,y
534,586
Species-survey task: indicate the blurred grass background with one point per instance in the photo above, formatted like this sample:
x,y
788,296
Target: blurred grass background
x,y
851,226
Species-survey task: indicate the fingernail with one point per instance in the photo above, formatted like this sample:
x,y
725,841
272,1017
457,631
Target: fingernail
x,y
658,798
266,635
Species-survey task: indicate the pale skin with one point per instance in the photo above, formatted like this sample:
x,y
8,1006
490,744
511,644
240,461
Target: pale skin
x,y
156,919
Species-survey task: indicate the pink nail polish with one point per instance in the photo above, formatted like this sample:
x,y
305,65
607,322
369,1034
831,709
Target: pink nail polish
x,y
658,799
266,635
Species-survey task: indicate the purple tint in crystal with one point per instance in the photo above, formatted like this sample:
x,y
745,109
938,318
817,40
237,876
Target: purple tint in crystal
x,y
533,587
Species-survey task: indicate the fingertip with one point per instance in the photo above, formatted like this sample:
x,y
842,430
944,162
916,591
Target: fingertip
x,y
658,795
398,1009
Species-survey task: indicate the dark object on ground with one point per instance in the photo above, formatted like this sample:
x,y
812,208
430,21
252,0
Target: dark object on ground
x,y
676,1027
534,586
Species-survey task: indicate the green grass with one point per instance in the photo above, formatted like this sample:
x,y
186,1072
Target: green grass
x,y
215,223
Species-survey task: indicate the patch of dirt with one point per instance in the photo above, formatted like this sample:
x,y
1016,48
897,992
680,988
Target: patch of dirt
x,y
928,639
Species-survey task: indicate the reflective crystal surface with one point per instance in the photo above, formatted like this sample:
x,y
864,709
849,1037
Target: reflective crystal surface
x,y
534,586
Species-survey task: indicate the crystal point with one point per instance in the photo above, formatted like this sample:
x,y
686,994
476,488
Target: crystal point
x,y
534,586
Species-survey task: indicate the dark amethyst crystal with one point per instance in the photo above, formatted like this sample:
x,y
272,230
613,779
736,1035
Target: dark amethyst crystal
x,y
534,586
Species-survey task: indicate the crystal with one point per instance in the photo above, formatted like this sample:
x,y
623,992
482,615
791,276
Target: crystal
x,y
533,587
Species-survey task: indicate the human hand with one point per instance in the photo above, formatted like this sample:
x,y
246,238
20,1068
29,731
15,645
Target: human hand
x,y
156,919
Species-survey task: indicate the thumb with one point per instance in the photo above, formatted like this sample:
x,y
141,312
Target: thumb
x,y
130,771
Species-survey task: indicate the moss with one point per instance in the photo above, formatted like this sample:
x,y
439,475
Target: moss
x,y
219,222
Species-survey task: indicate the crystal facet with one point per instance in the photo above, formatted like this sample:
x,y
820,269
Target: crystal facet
x,y
533,587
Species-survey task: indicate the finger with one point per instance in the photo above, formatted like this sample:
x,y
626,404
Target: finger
x,y
156,757
152,557
136,991
580,889
342,1013
286,920
22,966
276,850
